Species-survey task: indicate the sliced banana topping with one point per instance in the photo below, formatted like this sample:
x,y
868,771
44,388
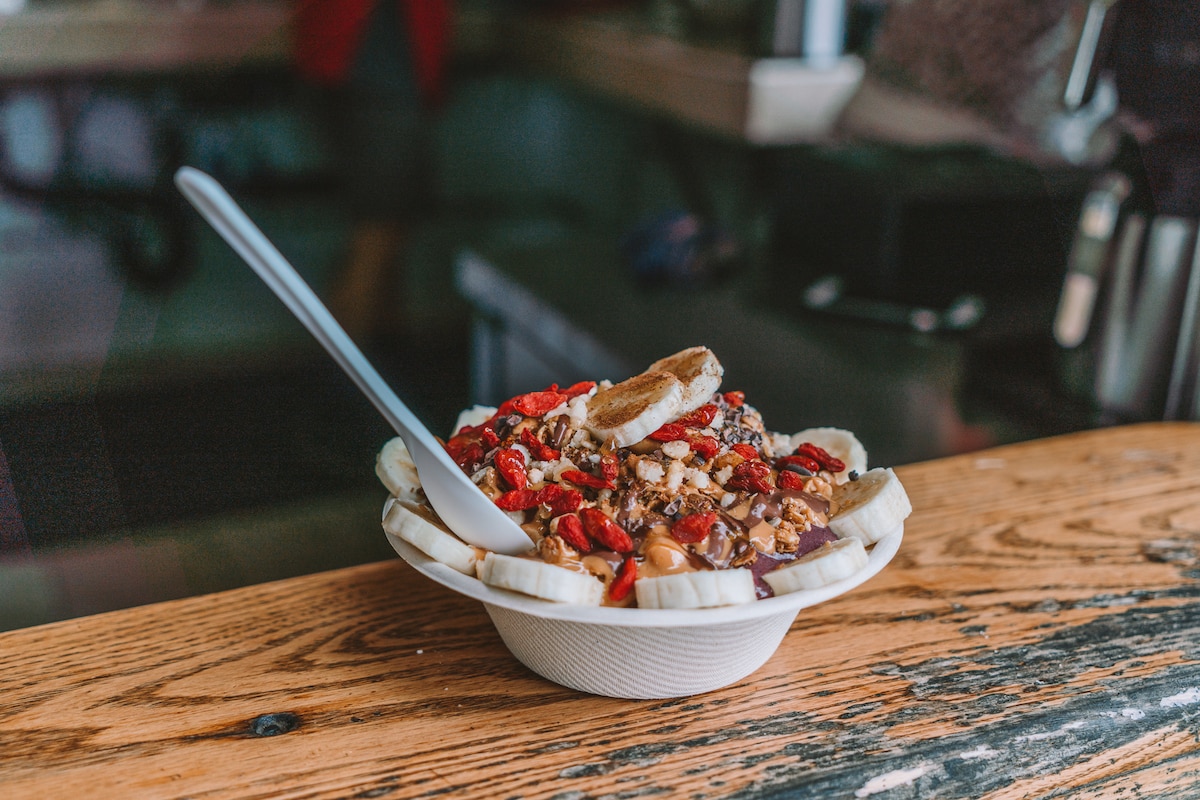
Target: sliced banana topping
x,y
540,579
707,589
829,563
396,471
839,443
635,408
871,507
698,369
416,524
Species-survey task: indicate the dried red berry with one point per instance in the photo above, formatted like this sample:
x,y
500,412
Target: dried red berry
x,y
693,527
623,582
750,476
570,528
821,456
517,500
535,404
488,436
559,499
704,446
576,389
457,444
790,480
510,464
537,448
799,461
468,455
702,417
581,478
609,469
734,399
745,451
671,432
605,531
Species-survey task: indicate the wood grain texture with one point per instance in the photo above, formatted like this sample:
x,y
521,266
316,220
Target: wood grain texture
x,y
1037,636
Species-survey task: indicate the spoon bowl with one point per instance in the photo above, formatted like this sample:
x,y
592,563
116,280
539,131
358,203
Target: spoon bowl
x,y
461,505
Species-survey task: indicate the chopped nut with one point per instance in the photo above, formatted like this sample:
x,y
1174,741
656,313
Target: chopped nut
x,y
675,475
649,470
819,486
554,550
727,461
798,513
787,540
676,449
743,553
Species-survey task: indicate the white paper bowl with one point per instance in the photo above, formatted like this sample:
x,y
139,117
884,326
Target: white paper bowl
x,y
641,653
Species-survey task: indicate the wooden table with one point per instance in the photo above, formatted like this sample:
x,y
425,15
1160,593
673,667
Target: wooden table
x,y
1038,633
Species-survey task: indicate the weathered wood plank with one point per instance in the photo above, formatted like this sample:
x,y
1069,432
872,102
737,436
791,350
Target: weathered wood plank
x,y
1038,635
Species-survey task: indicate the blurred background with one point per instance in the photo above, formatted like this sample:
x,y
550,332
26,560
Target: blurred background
x,y
942,225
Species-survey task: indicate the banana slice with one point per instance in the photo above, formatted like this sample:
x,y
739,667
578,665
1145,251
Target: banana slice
x,y
416,524
539,579
840,444
871,507
634,408
395,469
707,589
829,563
698,369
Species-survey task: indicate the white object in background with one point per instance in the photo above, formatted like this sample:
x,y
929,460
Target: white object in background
x,y
824,31
790,100
59,296
11,6
114,142
31,139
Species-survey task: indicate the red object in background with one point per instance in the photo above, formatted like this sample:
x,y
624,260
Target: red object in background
x,y
327,34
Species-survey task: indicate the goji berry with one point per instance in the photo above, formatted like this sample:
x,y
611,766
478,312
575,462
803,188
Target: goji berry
x,y
570,528
671,432
559,499
510,464
576,389
790,480
693,527
704,446
821,456
581,478
537,448
517,500
702,417
535,404
750,476
488,436
468,455
604,530
457,444
734,399
623,582
745,450
799,461
609,469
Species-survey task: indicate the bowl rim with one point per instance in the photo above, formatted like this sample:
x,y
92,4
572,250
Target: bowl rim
x,y
879,556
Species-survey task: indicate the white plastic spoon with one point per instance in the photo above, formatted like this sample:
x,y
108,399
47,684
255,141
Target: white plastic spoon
x,y
459,503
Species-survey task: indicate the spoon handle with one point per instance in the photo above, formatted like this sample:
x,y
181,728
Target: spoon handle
x,y
228,219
